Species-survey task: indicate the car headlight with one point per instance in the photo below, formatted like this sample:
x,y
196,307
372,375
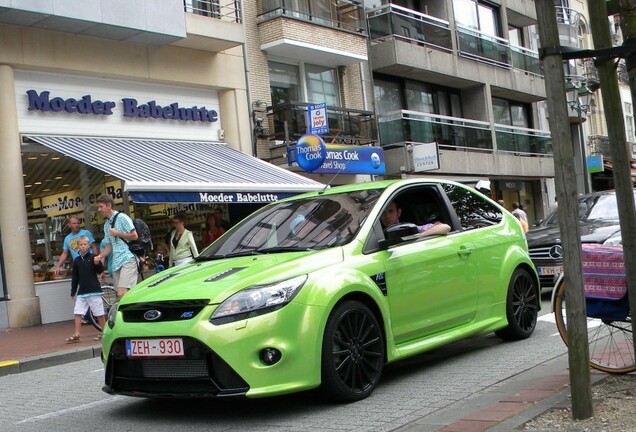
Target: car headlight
x,y
112,313
615,240
257,300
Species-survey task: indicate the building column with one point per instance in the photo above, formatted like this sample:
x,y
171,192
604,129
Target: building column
x,y
23,306
235,119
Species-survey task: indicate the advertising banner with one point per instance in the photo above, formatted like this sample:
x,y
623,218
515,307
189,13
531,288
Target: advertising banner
x,y
425,157
318,120
312,154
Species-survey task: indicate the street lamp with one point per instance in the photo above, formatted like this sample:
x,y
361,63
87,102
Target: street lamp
x,y
579,99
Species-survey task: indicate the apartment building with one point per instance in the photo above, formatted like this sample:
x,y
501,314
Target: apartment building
x,y
305,52
459,82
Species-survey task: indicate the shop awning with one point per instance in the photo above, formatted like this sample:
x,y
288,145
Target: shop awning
x,y
161,171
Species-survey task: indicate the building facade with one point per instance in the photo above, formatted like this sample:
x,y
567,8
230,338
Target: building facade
x,y
121,97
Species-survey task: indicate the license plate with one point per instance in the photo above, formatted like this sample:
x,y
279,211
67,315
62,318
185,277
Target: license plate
x,y
164,347
550,271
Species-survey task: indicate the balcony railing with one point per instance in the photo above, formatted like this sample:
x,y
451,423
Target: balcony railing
x,y
346,126
491,49
521,140
416,27
402,126
345,15
223,10
525,59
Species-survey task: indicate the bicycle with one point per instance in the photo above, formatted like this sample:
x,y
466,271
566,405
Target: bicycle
x,y
109,297
610,340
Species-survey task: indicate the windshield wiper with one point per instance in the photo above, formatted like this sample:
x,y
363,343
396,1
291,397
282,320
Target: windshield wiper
x,y
229,255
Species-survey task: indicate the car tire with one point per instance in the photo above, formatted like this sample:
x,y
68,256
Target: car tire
x,y
522,306
352,353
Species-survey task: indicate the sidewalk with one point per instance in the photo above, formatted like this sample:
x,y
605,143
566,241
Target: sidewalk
x,y
500,408
24,349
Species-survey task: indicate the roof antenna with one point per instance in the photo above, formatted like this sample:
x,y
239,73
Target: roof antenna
x,y
329,182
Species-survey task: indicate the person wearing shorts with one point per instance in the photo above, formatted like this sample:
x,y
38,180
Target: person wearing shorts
x,y
86,291
118,231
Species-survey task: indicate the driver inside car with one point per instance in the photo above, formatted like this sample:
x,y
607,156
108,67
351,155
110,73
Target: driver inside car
x,y
391,216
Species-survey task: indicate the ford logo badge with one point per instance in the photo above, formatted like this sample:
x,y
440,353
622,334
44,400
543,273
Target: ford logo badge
x,y
152,315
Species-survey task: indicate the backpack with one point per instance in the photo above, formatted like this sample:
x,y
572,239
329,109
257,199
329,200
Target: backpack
x,y
144,240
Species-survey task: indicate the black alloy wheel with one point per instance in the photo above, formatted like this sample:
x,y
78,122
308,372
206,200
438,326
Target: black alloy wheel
x,y
522,307
352,353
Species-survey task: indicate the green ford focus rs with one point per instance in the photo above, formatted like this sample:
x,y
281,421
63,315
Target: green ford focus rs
x,y
323,290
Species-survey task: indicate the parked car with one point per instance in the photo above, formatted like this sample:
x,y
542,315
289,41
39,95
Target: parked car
x,y
598,218
313,291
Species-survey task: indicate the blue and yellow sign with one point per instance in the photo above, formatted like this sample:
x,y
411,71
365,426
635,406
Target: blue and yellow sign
x,y
312,154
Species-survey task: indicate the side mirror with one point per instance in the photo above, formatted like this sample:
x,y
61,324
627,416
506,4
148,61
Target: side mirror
x,y
399,233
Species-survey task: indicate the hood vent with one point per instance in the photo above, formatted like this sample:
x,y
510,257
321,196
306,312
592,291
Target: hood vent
x,y
224,274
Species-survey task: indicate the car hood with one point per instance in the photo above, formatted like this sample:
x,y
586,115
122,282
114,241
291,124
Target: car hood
x,y
591,232
217,280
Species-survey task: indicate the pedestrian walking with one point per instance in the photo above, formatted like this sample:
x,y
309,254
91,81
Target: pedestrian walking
x,y
86,290
71,242
71,246
118,231
517,209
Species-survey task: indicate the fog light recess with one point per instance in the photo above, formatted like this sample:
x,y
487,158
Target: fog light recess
x,y
270,356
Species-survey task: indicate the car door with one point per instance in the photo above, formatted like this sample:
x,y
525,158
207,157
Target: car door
x,y
432,283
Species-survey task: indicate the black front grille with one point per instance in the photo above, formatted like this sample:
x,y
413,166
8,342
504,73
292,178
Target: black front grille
x,y
169,310
201,373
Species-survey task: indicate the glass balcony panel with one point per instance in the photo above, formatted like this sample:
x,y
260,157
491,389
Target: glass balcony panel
x,y
346,126
402,126
479,46
393,20
523,140
526,60
347,15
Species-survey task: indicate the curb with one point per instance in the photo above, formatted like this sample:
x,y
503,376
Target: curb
x,y
8,367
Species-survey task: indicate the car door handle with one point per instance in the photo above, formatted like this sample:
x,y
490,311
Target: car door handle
x,y
464,251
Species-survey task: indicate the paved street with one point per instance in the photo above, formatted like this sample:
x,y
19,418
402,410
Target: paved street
x,y
419,394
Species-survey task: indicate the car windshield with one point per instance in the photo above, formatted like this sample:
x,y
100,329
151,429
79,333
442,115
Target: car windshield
x,y
318,222
592,207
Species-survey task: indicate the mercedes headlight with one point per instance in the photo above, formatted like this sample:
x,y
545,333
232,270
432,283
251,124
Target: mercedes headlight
x,y
257,300
615,240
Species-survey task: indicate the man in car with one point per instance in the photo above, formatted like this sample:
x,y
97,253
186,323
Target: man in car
x,y
391,216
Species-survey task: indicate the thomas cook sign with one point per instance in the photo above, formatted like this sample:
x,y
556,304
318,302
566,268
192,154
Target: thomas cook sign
x,y
312,154
129,108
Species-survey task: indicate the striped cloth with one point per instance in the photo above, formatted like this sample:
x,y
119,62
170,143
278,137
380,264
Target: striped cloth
x,y
604,272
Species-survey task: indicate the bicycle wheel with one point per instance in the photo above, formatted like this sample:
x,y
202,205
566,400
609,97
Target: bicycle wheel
x,y
109,297
611,342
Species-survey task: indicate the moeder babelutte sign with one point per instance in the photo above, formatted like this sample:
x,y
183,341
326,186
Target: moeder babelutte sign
x,y
130,108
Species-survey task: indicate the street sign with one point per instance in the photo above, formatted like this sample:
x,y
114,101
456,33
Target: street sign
x,y
318,120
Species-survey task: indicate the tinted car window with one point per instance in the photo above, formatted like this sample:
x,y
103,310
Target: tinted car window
x,y
472,210
313,223
592,207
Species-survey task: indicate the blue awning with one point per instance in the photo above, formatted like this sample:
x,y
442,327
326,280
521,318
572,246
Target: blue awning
x,y
160,171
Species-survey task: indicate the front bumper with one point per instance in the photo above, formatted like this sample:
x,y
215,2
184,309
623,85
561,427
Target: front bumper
x,y
201,373
220,360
